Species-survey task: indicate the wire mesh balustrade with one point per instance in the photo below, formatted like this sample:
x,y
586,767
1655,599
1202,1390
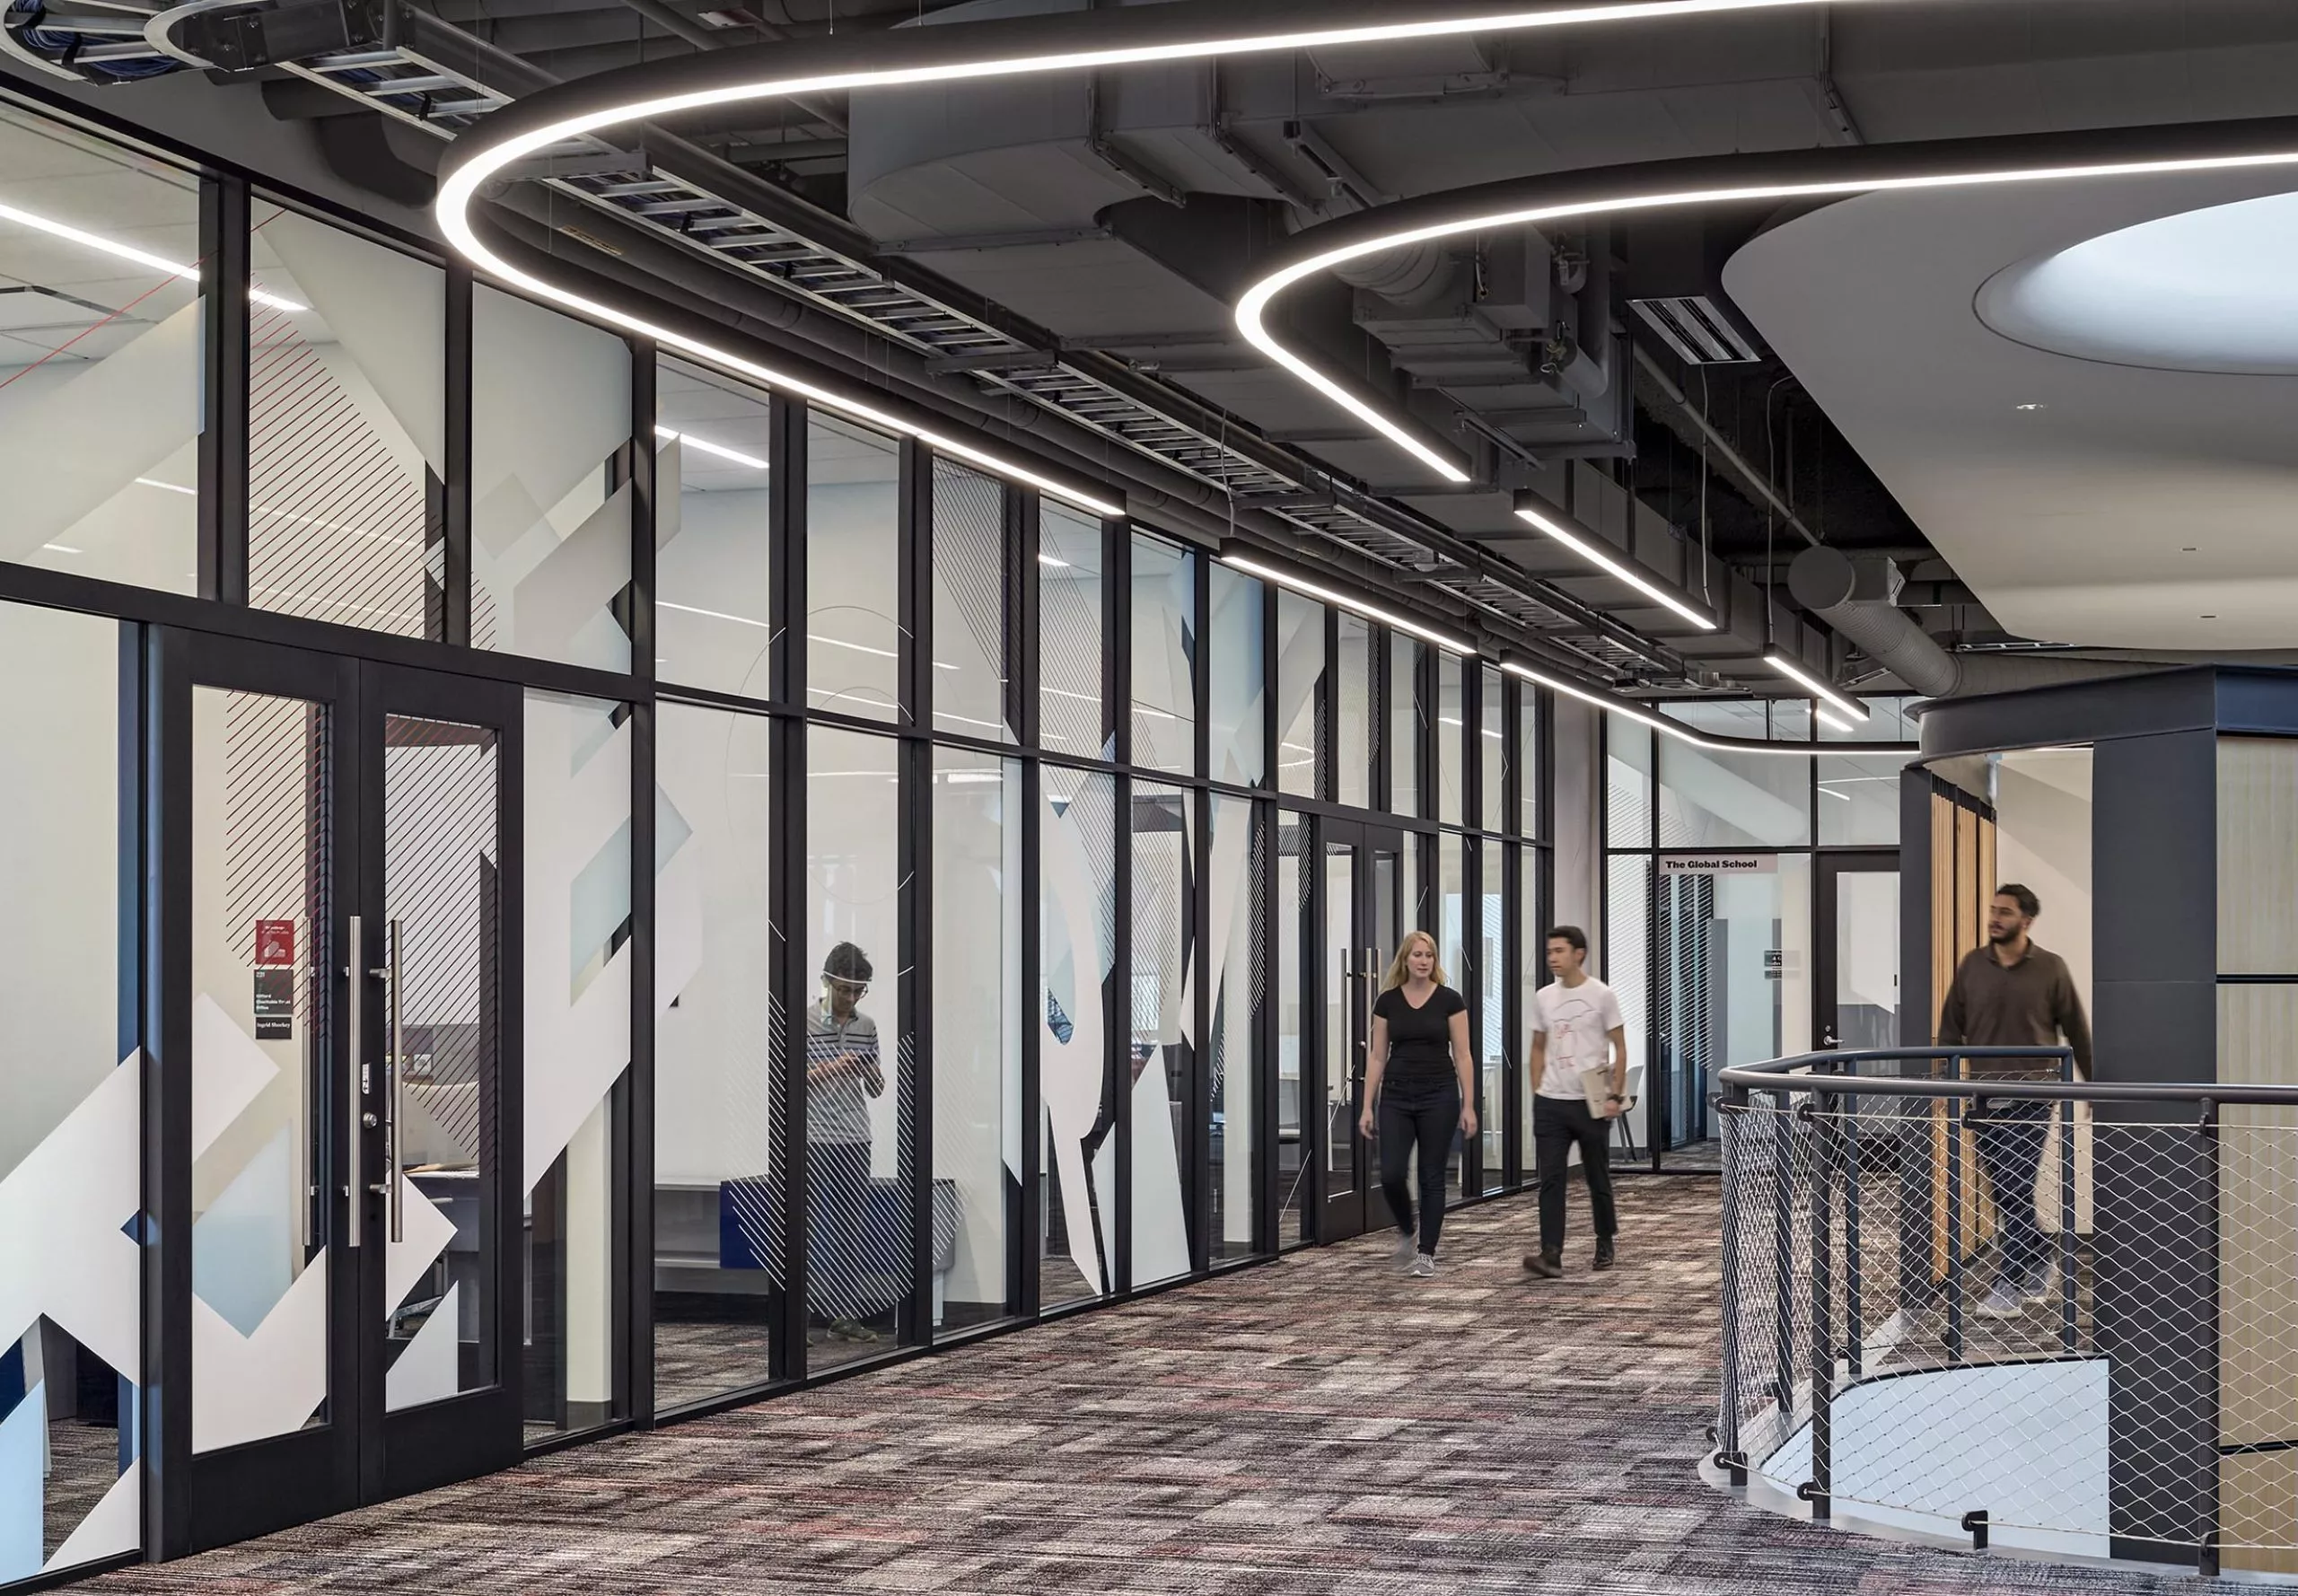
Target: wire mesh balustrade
x,y
1966,1295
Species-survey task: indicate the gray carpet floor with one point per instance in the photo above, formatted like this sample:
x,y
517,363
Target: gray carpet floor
x,y
1319,1424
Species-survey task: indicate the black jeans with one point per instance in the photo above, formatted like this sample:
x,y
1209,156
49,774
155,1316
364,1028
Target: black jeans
x,y
2010,1143
1558,1123
1427,1117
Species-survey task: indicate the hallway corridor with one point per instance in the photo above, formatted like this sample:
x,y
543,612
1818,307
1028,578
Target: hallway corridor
x,y
1314,1426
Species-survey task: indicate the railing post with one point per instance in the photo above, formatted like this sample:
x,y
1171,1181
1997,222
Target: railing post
x,y
1822,1143
2069,1330
1955,1227
1733,1115
1854,1322
1782,1263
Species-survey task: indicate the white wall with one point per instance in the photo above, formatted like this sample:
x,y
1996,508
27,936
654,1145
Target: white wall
x,y
2042,807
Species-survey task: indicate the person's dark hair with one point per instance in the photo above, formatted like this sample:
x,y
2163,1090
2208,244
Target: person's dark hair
x,y
847,963
1569,933
2029,903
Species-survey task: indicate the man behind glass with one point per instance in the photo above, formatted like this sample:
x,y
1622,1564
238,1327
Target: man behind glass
x,y
843,1073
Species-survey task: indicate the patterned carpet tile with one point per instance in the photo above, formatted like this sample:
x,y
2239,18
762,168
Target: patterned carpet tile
x,y
1318,1424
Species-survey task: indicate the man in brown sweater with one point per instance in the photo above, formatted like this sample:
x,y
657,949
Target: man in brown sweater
x,y
2012,993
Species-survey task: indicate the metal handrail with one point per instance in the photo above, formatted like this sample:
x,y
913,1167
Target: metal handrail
x,y
1777,1075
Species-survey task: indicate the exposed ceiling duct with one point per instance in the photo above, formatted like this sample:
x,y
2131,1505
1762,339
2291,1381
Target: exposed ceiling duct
x,y
1858,596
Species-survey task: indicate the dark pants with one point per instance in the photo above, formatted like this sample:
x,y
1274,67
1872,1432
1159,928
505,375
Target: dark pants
x,y
838,1233
1427,1117
1558,1123
2010,1143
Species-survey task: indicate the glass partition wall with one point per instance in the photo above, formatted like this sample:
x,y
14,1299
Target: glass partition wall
x,y
741,895
1721,870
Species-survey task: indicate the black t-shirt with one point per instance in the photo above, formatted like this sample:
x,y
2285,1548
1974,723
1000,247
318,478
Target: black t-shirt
x,y
1420,1040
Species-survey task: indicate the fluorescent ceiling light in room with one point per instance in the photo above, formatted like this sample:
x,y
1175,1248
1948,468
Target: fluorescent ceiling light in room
x,y
1587,548
113,247
1346,600
1849,711
689,441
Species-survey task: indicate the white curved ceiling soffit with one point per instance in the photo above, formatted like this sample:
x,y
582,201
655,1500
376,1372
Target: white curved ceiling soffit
x,y
2084,500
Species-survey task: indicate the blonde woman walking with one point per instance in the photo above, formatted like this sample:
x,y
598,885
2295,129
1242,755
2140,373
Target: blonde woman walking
x,y
1420,1055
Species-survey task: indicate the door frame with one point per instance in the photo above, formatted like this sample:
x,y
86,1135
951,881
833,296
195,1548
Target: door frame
x,y
1827,866
360,1455
1342,1213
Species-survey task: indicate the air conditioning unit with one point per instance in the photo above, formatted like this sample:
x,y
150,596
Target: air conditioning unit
x,y
1696,329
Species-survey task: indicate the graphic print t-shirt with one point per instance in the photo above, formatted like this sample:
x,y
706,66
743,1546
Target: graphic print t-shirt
x,y
1578,1021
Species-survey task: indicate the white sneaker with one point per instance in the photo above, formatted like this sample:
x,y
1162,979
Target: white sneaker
x,y
1408,1249
1424,1266
2043,1284
2004,1302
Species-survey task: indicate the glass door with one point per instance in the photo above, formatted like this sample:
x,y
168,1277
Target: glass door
x,y
1855,992
332,840
1359,895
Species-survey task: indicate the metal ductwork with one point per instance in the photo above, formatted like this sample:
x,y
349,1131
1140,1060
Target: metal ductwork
x,y
1858,596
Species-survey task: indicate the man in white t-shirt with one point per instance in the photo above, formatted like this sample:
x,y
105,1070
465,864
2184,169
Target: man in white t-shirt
x,y
1579,1052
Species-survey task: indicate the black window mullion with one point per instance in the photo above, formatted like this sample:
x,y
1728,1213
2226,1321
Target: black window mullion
x,y
634,1228
786,976
1021,575
1327,711
1026,1239
453,514
1198,1167
1117,1046
224,249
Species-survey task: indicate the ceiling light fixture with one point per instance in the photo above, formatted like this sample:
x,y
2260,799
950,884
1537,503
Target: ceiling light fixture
x,y
1283,577
113,247
1086,40
689,441
1849,711
1547,199
1668,727
1528,512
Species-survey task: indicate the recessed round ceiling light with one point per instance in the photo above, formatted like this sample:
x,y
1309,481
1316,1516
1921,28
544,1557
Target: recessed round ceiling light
x,y
2207,290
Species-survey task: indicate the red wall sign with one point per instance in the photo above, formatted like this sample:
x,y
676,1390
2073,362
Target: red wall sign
x,y
275,942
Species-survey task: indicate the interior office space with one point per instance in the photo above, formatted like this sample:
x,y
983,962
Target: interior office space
x,y
708,701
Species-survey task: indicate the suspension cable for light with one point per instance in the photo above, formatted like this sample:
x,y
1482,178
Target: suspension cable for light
x,y
1002,47
1849,711
1528,509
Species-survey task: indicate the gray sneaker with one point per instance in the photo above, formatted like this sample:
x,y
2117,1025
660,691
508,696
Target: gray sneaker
x,y
2004,1302
1424,1266
1408,1249
2042,1285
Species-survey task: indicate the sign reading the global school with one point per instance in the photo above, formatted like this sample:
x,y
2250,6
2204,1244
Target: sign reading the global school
x,y
1719,863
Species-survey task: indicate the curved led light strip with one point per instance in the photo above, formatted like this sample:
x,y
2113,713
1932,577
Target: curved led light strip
x,y
1678,184
1701,739
950,54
